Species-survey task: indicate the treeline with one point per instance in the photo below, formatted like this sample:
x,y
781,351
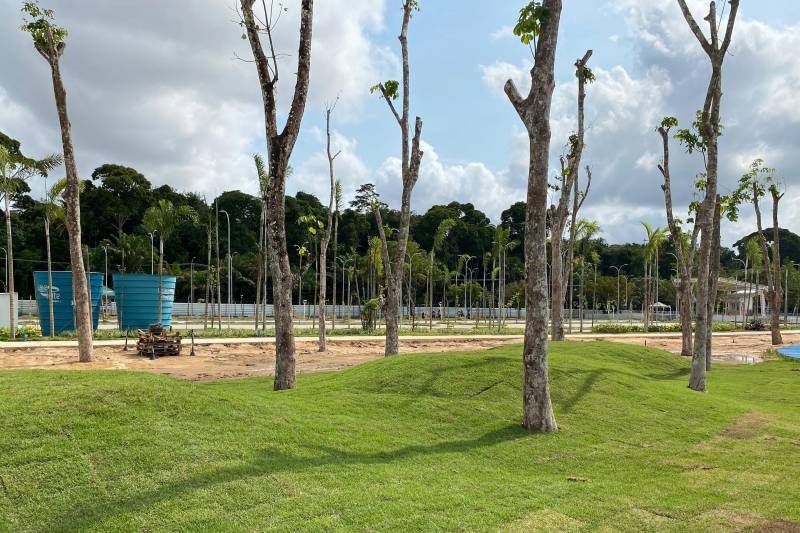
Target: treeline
x,y
114,199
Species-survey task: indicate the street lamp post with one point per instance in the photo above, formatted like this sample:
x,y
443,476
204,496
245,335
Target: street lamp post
x,y
191,287
619,269
230,264
105,280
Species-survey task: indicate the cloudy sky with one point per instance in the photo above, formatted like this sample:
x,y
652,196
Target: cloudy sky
x,y
164,86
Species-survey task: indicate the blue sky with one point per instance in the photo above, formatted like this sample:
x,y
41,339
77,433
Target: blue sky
x,y
156,85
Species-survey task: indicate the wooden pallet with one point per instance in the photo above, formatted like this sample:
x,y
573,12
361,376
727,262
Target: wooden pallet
x,y
158,343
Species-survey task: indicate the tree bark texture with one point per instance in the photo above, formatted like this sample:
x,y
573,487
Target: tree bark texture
x,y
534,111
279,148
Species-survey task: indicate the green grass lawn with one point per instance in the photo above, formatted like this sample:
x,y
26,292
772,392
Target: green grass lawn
x,y
410,443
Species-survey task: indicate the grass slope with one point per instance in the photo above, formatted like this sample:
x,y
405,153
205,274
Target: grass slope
x,y
419,442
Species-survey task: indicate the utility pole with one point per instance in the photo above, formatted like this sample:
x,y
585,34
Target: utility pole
x,y
152,248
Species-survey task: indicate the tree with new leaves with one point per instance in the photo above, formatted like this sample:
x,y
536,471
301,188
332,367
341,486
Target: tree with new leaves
x,y
683,242
15,170
165,218
753,186
539,21
569,190
410,160
708,214
279,149
49,40
326,235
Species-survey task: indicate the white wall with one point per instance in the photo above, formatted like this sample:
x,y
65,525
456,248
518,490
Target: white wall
x,y
4,310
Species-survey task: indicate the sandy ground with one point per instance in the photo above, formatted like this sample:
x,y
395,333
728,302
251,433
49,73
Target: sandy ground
x,y
223,360
215,361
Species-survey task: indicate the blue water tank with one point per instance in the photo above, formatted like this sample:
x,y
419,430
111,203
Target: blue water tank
x,y
63,301
136,296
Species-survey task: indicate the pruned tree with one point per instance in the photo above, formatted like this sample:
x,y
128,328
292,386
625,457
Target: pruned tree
x,y
50,41
538,23
279,149
410,160
337,193
53,212
754,185
716,50
326,234
684,243
567,187
578,197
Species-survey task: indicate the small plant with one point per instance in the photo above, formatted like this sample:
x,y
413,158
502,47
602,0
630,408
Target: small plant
x,y
755,324
369,315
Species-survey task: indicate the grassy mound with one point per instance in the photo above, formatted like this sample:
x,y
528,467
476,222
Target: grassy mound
x,y
418,442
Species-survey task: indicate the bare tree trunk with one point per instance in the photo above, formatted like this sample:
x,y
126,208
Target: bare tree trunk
x,y
208,283
772,264
710,126
713,279
279,148
326,237
335,253
12,312
534,111
410,161
685,257
83,312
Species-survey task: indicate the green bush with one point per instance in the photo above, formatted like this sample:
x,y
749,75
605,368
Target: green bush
x,y
23,332
654,328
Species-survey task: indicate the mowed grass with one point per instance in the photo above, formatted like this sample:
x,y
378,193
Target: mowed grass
x,y
409,443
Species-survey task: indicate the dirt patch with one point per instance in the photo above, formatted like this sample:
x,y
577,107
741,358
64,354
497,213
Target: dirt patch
x,y
216,361
727,347
724,520
746,426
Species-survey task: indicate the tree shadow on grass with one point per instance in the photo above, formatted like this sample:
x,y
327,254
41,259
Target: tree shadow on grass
x,y
268,462
583,390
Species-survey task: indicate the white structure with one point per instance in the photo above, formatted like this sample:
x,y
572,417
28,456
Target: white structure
x,y
5,318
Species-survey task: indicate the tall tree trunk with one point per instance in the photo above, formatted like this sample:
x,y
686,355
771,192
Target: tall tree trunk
x,y
411,158
279,147
261,273
12,310
772,261
160,279
710,126
209,288
713,279
335,253
50,305
326,237
534,111
80,288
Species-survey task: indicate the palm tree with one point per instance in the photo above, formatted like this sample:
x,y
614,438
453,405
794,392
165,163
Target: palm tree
x,y
442,231
15,169
263,180
165,218
655,238
53,211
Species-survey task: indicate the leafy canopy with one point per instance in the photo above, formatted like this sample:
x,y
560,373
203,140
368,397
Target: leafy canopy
x,y
529,24
38,21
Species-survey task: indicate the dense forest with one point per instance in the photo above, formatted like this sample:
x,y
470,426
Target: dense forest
x,y
115,198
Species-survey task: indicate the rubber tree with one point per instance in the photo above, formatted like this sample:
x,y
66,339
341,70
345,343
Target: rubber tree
x,y
756,183
15,170
337,194
50,41
326,233
684,244
280,145
538,24
410,160
567,186
165,218
716,49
